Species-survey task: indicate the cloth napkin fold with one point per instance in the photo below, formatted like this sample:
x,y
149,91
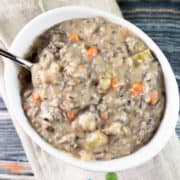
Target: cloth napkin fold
x,y
13,15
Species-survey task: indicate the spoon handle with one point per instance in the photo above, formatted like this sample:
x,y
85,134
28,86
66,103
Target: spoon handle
x,y
16,59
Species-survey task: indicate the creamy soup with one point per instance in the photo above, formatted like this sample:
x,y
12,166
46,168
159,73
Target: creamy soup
x,y
96,90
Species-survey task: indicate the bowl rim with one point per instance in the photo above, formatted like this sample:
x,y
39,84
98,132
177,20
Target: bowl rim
x,y
147,152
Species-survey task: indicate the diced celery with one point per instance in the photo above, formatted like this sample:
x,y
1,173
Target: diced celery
x,y
111,72
143,56
104,83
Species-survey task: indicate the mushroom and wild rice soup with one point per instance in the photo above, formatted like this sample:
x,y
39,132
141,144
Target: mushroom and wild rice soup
x,y
96,90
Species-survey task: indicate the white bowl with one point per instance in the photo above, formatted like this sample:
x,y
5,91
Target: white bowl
x,y
21,44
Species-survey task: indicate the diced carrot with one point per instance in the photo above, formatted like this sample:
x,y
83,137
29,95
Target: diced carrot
x,y
154,97
71,116
115,83
123,31
104,116
92,52
137,88
74,37
36,97
15,168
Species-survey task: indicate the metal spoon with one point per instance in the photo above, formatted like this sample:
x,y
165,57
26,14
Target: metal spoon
x,y
16,59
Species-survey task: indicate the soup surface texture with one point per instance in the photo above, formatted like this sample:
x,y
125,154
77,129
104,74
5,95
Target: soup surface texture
x,y
96,90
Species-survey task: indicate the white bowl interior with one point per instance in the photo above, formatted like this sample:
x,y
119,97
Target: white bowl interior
x,y
21,44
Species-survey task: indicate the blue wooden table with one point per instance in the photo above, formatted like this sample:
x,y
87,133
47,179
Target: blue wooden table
x,y
159,19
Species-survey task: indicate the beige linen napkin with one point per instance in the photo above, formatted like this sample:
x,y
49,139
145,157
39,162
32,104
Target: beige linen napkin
x,y
13,15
